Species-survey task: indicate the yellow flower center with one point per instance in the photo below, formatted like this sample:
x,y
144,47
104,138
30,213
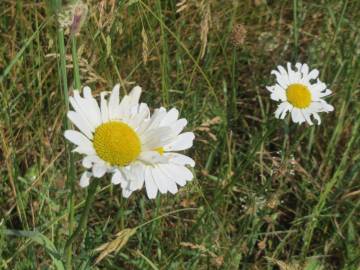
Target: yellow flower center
x,y
116,143
298,95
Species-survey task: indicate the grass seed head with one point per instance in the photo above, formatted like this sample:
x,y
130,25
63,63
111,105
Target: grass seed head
x,y
72,17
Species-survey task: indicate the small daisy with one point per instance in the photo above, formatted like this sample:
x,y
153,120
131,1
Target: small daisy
x,y
299,93
121,138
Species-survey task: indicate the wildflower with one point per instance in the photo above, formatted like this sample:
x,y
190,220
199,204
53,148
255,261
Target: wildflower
x,y
299,93
121,138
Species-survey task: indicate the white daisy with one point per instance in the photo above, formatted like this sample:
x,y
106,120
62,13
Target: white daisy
x,y
299,93
121,138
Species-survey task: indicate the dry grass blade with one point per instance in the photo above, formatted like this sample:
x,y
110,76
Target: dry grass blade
x,y
115,245
283,265
145,47
204,26
181,6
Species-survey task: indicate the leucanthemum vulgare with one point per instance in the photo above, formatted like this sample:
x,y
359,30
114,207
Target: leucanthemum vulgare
x,y
300,92
120,137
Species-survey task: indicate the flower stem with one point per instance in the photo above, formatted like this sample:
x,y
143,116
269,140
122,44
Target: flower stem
x,y
71,173
75,63
84,215
71,183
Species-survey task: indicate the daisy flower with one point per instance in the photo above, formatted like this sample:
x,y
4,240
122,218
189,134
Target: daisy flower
x,y
299,93
121,138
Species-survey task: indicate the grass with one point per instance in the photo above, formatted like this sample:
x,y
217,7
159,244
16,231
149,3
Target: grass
x,y
268,194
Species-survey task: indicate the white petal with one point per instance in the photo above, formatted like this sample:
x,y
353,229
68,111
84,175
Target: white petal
x,y
325,93
85,179
114,102
179,126
284,74
91,106
78,138
84,145
127,176
321,106
313,74
151,188
80,108
159,179
295,76
282,110
138,118
297,116
318,90
307,113
155,138
305,70
104,108
98,170
298,67
182,142
171,116
172,186
326,107
123,109
317,118
278,94
84,150
270,88
179,174
126,193
281,77
138,171
88,161
129,103
135,96
163,181
80,123
152,157
319,86
180,159
156,118
117,178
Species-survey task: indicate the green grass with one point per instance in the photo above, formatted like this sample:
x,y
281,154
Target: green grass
x,y
268,194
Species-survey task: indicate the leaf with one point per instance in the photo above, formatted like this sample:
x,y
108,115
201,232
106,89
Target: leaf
x,y
115,245
41,240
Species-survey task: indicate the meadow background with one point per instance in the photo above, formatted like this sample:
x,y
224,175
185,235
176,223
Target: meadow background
x,y
268,194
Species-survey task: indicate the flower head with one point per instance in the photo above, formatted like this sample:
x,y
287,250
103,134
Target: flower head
x,y
299,93
120,137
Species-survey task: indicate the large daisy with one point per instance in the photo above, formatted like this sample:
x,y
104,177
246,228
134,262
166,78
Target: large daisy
x,y
121,138
300,92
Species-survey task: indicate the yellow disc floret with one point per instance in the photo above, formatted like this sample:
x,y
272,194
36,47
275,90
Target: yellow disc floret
x,y
116,143
298,95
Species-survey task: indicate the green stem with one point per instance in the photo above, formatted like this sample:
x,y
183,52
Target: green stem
x,y
64,81
75,63
71,183
84,216
71,173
